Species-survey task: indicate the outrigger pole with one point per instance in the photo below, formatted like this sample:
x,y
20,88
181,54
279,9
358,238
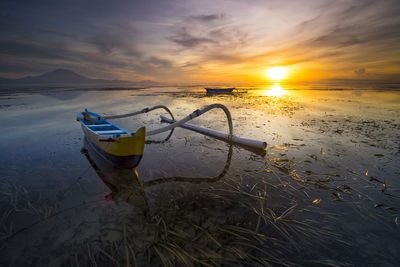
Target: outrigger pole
x,y
255,144
229,138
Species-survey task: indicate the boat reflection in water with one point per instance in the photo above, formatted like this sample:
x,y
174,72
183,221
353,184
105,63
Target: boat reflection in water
x,y
126,185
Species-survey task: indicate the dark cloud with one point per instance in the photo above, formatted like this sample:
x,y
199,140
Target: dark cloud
x,y
158,63
49,56
185,39
360,72
156,37
338,37
230,35
208,18
152,66
86,37
218,37
32,50
53,53
363,22
115,38
308,24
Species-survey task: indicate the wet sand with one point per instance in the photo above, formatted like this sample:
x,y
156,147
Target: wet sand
x,y
327,191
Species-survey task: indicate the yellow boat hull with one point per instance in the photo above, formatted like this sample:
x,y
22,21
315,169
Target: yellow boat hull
x,y
125,152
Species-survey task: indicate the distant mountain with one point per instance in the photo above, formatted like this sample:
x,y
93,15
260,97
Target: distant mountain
x,y
62,76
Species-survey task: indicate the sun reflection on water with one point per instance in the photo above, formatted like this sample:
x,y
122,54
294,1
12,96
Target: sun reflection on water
x,y
275,90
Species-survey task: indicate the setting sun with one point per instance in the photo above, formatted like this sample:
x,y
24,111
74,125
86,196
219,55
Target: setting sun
x,y
277,73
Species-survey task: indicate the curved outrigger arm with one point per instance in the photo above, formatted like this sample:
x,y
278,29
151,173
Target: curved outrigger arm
x,y
145,110
193,115
230,138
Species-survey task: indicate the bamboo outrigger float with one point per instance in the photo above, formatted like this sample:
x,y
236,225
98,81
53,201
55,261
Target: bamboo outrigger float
x,y
125,148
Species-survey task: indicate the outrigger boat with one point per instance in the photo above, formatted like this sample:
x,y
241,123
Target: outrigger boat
x,y
125,148
122,147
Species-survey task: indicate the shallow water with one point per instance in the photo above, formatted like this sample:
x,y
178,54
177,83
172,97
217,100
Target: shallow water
x,y
327,191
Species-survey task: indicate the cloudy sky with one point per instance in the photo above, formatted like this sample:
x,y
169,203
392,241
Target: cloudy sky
x,y
202,41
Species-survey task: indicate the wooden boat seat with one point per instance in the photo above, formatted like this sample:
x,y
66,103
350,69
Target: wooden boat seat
x,y
111,132
99,125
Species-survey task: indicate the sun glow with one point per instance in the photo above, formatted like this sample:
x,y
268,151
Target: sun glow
x,y
275,90
277,73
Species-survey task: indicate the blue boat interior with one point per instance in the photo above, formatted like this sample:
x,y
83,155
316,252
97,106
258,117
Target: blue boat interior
x,y
104,127
96,122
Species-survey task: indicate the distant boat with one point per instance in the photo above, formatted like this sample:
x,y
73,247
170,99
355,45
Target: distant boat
x,y
220,90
